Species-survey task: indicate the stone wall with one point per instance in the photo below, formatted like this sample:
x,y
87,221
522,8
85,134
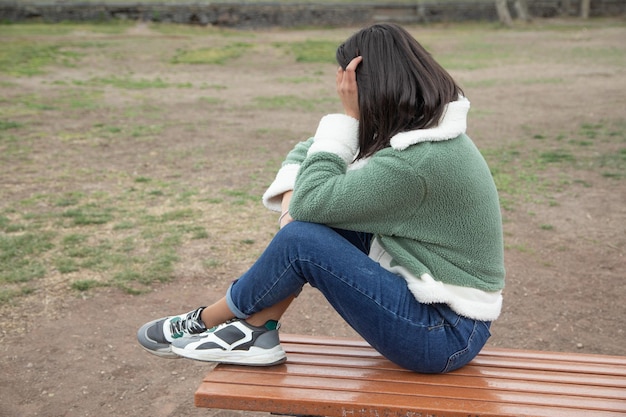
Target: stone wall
x,y
259,15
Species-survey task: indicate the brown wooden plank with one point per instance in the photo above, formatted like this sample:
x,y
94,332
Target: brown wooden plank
x,y
341,376
545,365
556,356
473,368
487,351
449,380
340,403
346,361
546,376
483,360
406,392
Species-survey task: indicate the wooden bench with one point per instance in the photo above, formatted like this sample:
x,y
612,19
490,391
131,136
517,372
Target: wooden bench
x,y
345,377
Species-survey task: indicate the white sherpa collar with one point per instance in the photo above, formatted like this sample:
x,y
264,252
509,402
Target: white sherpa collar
x,y
452,124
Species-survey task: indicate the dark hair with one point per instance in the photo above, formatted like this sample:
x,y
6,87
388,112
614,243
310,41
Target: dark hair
x,y
401,86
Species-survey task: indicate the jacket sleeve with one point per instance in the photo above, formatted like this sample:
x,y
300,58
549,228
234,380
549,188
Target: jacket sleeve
x,y
286,176
360,198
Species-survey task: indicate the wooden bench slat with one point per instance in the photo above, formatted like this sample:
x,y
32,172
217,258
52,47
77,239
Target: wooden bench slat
x,y
339,403
546,376
292,339
543,365
513,374
556,356
451,380
602,376
346,377
483,359
406,391
474,368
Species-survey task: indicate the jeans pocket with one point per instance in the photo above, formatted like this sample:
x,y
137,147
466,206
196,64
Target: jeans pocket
x,y
477,338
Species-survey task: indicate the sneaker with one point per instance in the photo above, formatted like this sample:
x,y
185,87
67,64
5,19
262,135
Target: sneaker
x,y
156,336
235,342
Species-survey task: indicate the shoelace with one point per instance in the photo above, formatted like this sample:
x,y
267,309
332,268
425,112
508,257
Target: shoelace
x,y
190,324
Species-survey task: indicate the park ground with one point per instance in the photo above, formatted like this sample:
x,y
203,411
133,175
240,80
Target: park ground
x,y
133,158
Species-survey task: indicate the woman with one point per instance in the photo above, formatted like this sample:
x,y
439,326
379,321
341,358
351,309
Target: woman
x,y
389,210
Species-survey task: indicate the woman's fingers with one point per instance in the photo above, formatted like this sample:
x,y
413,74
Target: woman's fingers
x,y
354,63
347,87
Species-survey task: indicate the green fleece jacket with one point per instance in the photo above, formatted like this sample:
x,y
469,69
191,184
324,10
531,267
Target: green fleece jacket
x,y
429,200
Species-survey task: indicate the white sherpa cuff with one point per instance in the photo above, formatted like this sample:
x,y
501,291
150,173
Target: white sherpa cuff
x,y
284,181
338,134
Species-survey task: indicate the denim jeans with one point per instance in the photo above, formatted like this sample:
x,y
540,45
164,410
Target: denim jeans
x,y
427,338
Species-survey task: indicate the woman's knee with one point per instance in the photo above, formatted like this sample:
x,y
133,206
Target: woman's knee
x,y
303,232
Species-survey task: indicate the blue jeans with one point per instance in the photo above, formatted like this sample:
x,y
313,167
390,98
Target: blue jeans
x,y
427,338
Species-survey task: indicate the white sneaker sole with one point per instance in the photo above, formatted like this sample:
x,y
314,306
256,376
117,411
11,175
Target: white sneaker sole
x,y
162,353
253,357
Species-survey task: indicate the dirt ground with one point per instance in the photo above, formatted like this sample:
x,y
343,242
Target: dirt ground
x,y
69,354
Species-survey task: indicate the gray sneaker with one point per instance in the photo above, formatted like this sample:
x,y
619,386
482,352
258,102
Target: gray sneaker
x,y
234,342
156,336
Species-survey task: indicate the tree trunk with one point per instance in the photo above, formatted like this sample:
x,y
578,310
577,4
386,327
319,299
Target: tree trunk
x,y
503,13
585,5
521,8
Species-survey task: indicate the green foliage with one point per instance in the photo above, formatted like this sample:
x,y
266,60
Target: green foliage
x,y
25,58
101,130
86,284
8,294
518,168
130,83
213,55
20,256
312,51
475,52
87,215
555,156
291,102
139,249
63,28
7,124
